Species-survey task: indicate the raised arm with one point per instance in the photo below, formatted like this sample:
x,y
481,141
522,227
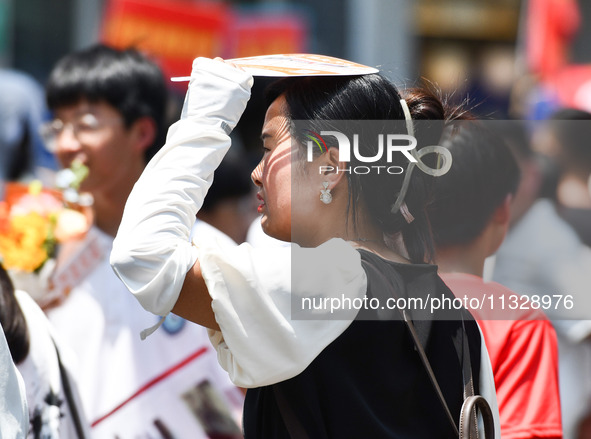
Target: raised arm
x,y
250,290
152,253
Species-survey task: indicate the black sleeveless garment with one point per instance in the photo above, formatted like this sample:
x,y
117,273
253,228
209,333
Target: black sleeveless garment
x,y
370,382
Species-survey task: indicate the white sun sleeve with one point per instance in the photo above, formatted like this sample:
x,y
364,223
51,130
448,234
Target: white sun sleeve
x,y
152,252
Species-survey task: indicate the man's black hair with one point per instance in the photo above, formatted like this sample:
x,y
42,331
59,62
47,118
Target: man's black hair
x,y
125,79
483,172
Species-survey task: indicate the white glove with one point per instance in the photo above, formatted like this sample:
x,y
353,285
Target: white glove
x,y
152,252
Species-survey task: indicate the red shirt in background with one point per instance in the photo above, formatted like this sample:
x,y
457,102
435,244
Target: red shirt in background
x,y
523,352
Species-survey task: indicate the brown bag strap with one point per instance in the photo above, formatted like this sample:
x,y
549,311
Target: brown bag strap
x,y
469,408
468,416
472,432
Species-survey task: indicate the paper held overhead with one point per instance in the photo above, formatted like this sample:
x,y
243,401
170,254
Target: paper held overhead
x,y
296,64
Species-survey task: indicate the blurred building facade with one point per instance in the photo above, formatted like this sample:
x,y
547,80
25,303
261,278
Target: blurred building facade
x,y
398,35
472,47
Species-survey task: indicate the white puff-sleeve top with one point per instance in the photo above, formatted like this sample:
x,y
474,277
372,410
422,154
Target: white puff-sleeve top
x,y
251,289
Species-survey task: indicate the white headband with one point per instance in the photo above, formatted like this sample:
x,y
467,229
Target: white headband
x,y
435,172
409,125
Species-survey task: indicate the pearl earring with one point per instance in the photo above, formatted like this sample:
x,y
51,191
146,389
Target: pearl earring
x,y
325,195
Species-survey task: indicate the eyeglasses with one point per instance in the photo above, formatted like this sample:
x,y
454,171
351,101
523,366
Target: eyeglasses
x,y
86,128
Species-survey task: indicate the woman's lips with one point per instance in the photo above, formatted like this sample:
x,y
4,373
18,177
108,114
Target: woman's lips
x,y
262,204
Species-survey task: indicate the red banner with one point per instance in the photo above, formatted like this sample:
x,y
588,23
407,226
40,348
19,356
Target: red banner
x,y
551,27
174,32
267,34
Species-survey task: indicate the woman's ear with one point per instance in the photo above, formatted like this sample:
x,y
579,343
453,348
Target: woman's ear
x,y
330,168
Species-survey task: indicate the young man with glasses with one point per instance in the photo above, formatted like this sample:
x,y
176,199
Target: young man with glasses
x,y
109,115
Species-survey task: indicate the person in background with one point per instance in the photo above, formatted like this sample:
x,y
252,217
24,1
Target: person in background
x,y
230,204
542,255
564,138
470,215
22,111
109,115
54,404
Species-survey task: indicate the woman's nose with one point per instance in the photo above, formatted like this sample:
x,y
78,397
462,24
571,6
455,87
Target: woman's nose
x,y
257,174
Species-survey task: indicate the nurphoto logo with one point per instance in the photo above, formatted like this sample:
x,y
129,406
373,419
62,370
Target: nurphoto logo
x,y
387,144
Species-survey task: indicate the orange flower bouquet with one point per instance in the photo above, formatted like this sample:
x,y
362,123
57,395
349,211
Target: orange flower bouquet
x,y
33,221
